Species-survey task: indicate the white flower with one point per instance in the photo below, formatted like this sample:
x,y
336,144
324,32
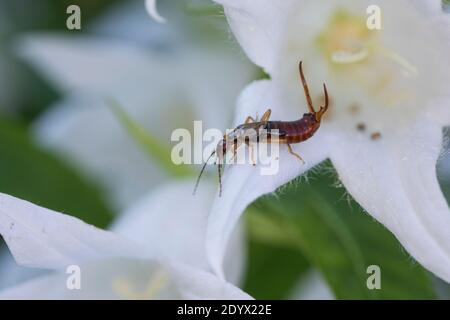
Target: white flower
x,y
312,286
390,100
160,82
155,251
150,5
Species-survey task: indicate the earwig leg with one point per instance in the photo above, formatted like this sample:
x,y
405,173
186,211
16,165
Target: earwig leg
x,y
266,116
252,154
233,157
235,147
219,166
249,120
295,154
306,89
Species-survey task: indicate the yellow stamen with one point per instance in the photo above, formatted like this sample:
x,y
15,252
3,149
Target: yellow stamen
x,y
155,284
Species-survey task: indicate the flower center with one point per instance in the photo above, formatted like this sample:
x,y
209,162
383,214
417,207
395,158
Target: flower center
x,y
346,39
358,54
155,284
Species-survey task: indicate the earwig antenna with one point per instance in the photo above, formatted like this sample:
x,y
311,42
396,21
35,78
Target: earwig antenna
x,y
201,172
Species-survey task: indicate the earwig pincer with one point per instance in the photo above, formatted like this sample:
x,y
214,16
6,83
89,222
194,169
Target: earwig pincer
x,y
287,132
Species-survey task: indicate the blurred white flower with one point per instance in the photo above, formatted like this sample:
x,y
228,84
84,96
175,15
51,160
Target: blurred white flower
x,y
312,286
390,100
160,80
155,251
150,5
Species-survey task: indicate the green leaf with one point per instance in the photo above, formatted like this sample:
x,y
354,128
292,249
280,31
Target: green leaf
x,y
341,241
159,152
273,271
34,175
201,8
274,266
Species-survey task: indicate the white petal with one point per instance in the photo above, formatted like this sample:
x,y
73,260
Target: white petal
x,y
176,229
42,238
171,221
71,128
150,5
198,284
44,287
440,111
11,274
90,64
117,278
242,184
145,89
394,179
129,279
128,21
444,161
312,286
257,25
428,6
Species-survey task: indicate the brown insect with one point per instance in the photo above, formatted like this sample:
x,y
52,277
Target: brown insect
x,y
288,132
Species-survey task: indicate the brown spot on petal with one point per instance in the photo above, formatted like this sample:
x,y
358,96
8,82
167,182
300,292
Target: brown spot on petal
x,y
354,109
361,126
376,136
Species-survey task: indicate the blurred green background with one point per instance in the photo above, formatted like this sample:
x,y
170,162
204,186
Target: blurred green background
x,y
311,226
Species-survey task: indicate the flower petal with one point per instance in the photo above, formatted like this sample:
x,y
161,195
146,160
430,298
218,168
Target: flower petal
x,y
395,180
197,284
71,126
42,238
41,288
257,25
176,229
242,184
12,274
117,278
428,6
440,111
91,64
127,20
121,278
312,286
150,5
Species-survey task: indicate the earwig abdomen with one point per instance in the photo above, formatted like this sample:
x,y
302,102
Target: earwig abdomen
x,y
295,131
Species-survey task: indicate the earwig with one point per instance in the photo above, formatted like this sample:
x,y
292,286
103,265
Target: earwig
x,y
289,132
